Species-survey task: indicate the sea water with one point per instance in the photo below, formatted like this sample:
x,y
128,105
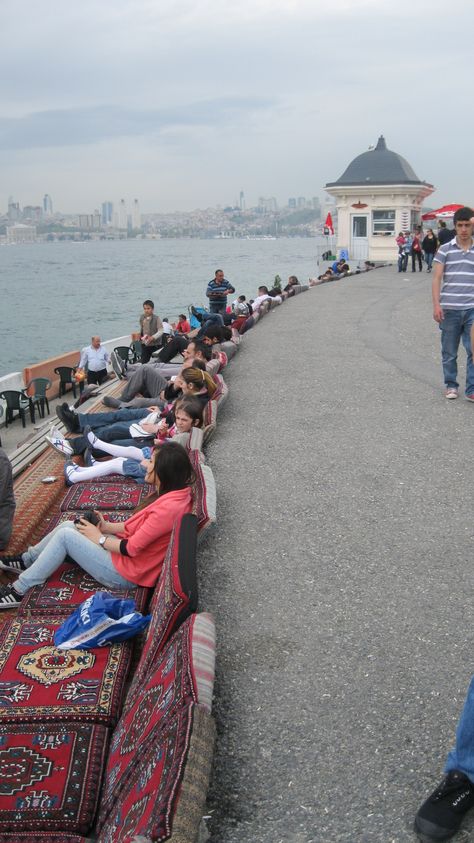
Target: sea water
x,y
55,296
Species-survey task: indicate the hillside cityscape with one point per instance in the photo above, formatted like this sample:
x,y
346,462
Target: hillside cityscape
x,y
300,217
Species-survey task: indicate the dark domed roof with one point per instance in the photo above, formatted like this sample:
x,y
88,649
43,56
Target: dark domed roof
x,y
378,166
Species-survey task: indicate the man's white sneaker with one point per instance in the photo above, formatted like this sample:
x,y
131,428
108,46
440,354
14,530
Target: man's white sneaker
x,y
60,445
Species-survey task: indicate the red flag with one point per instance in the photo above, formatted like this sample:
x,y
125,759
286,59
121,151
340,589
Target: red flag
x,y
328,224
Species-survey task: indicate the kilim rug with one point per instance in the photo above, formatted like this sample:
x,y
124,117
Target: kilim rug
x,y
162,790
174,598
59,518
43,837
40,682
170,684
34,499
67,588
50,776
104,496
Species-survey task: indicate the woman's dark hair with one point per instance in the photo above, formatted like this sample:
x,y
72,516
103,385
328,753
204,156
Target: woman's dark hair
x,y
205,350
192,407
293,280
173,468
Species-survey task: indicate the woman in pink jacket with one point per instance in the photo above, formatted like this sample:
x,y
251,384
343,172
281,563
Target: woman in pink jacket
x,y
117,555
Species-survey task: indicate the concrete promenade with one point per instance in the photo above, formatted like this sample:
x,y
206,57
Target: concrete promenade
x,y
341,572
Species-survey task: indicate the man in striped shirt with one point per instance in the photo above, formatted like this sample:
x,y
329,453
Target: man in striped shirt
x,y
217,291
453,301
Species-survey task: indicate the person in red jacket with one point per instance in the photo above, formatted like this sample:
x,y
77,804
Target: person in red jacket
x,y
116,555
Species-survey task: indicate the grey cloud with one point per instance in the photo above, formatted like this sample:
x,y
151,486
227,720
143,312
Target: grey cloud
x,y
72,127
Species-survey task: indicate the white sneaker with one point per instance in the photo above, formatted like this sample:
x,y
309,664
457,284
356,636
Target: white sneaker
x,y
451,394
60,445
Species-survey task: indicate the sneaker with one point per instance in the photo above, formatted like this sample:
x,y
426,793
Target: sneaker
x,y
117,364
442,813
90,436
14,564
469,397
9,598
451,393
114,403
68,418
196,314
70,468
60,445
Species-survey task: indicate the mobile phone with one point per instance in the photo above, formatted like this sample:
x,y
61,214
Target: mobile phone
x,y
50,479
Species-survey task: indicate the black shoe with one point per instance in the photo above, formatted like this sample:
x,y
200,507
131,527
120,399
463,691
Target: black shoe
x,y
68,418
11,563
442,813
109,401
9,598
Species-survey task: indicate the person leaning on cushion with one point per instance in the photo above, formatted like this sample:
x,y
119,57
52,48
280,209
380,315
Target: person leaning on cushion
x,y
117,555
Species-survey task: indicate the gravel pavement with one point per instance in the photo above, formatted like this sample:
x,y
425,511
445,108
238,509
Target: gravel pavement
x,y
340,572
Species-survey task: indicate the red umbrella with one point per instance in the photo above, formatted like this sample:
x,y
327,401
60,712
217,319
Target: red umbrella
x,y
445,211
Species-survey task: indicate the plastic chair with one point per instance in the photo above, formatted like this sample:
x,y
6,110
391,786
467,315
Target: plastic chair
x,y
136,350
125,353
66,378
20,402
39,398
1,414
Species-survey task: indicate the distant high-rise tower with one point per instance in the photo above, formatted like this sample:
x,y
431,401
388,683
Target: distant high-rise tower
x,y
107,213
136,215
242,201
122,215
47,205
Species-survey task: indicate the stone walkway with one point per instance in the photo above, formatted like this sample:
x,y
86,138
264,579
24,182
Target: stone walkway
x,y
341,571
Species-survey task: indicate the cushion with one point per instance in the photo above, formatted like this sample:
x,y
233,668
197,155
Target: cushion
x,y
221,392
50,776
104,496
165,792
67,588
170,683
38,681
204,494
192,441
230,349
174,598
203,657
209,414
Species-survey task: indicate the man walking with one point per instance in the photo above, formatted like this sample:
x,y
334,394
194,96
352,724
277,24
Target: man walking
x,y
217,292
95,357
453,301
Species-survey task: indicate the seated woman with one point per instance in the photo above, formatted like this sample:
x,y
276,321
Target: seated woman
x,y
196,383
292,283
131,461
116,555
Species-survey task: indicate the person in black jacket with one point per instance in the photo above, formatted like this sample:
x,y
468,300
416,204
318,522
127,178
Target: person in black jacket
x,y
7,499
444,234
430,247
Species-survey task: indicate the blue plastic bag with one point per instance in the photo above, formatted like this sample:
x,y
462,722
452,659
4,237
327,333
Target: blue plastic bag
x,y
100,620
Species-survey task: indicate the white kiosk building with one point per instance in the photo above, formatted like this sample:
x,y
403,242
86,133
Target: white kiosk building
x,y
377,196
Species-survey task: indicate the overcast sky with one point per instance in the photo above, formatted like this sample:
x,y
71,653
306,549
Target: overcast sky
x,y
183,104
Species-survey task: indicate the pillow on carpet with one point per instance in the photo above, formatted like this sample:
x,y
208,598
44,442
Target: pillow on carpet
x,y
230,349
39,682
192,441
204,495
221,392
104,496
43,837
165,792
67,588
50,776
209,414
182,673
174,598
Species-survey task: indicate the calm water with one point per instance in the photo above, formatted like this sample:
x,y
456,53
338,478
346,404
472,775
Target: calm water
x,y
55,296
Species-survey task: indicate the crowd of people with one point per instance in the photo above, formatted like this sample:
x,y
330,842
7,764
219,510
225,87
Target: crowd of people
x,y
160,400
421,247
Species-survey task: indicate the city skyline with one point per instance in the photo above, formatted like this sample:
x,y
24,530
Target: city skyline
x,y
185,106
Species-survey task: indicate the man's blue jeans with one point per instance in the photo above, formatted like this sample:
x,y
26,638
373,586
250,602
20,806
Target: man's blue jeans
x,y
456,326
461,756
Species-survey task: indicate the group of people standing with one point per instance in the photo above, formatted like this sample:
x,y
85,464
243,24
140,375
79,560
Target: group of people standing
x,y
420,247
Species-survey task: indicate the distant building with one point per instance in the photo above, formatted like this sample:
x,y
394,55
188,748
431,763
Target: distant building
x,y
13,210
47,205
21,233
33,213
292,203
242,201
136,215
107,213
301,202
377,196
122,215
